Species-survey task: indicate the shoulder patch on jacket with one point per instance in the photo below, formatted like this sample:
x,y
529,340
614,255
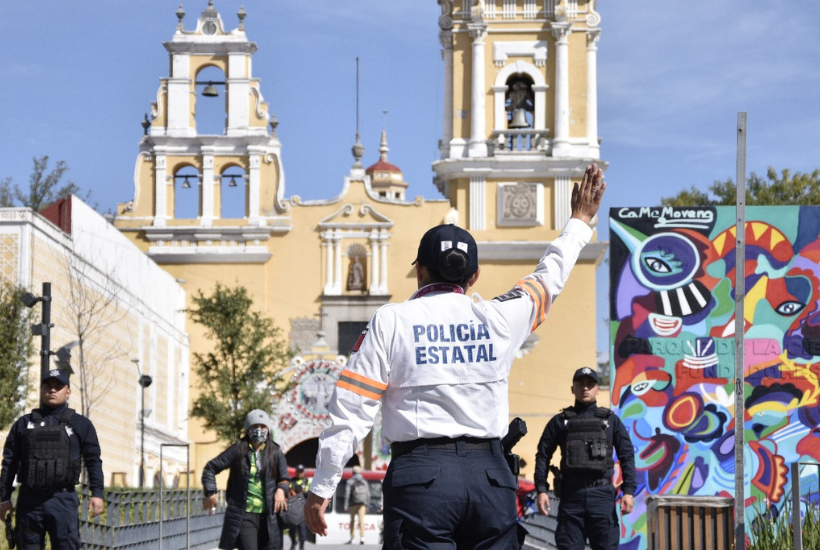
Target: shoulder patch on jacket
x,y
360,340
511,295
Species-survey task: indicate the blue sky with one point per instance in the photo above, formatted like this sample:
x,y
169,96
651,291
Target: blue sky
x,y
78,77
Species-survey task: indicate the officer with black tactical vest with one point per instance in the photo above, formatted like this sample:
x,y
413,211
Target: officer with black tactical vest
x,y
587,435
45,450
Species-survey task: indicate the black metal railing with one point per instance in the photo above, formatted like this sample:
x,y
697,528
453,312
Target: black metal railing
x,y
131,519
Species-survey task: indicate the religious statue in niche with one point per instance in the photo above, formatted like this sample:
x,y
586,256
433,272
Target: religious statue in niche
x,y
355,278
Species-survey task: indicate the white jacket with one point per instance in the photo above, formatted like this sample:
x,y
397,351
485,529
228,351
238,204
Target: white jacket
x,y
438,364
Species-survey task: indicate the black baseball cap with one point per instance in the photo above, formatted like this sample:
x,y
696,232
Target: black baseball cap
x,y
59,375
441,239
585,371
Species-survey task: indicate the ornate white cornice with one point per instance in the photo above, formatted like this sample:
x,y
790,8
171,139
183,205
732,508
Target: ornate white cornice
x,y
368,218
529,166
533,250
536,49
219,145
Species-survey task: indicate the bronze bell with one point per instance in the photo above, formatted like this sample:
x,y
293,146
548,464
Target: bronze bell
x,y
210,91
519,120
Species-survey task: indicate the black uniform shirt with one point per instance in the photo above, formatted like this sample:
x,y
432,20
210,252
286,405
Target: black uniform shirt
x,y
555,435
84,444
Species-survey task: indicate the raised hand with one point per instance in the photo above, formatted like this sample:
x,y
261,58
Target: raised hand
x,y
586,196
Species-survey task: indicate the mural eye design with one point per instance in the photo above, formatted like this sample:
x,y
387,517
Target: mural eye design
x,y
789,308
661,265
665,261
641,388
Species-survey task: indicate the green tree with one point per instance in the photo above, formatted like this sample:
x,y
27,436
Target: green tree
x,y
44,186
785,188
15,352
241,371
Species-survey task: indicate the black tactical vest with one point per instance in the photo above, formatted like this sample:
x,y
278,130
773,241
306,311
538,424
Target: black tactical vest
x,y
47,463
587,451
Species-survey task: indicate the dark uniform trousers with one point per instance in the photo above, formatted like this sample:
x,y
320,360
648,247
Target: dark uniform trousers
x,y
450,494
56,514
587,510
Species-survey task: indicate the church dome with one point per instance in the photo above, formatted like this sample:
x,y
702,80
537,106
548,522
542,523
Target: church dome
x,y
386,179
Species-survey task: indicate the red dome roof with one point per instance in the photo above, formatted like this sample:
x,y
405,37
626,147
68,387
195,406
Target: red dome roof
x,y
383,166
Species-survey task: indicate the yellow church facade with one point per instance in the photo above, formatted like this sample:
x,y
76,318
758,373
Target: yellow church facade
x,y
519,127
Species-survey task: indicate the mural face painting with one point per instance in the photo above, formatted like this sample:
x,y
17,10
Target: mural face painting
x,y
672,334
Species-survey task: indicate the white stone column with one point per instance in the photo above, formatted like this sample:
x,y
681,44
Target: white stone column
x,y
252,188
180,99
337,263
446,38
207,190
560,144
540,115
161,192
238,90
593,35
478,131
561,209
327,239
374,262
383,258
477,201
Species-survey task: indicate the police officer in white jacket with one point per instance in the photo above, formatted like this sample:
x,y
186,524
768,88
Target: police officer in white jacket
x,y
438,366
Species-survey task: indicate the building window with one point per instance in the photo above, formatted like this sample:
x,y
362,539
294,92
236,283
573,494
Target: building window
x,y
349,332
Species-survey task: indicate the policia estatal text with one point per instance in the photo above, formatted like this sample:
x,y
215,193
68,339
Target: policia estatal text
x,y
437,367
586,435
45,450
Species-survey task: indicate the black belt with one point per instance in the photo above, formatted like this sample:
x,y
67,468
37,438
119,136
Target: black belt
x,y
576,483
399,448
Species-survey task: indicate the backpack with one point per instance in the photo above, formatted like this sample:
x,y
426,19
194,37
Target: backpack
x,y
587,451
47,463
360,492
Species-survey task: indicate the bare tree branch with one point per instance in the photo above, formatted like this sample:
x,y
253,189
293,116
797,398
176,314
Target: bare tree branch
x,y
96,299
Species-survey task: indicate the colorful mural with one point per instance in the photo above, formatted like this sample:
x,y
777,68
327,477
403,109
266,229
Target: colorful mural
x,y
672,351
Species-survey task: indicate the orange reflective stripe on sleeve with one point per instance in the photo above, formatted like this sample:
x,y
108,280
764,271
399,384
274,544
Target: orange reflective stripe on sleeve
x,y
540,296
361,385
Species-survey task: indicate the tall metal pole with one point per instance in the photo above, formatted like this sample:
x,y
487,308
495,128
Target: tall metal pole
x,y
142,438
45,349
740,324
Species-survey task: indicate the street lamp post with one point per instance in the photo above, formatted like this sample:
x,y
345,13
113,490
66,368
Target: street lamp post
x,y
43,330
144,381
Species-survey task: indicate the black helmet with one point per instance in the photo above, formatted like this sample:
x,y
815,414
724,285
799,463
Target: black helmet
x,y
300,468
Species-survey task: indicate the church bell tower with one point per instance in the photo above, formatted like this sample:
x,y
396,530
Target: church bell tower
x,y
520,111
205,193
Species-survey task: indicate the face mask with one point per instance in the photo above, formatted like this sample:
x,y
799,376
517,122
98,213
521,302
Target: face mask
x,y
258,435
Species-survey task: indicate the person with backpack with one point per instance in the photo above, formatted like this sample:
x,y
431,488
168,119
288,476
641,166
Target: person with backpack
x,y
45,450
357,501
299,484
586,435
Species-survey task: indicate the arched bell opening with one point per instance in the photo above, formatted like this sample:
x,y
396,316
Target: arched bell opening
x,y
519,102
187,193
211,111
233,193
